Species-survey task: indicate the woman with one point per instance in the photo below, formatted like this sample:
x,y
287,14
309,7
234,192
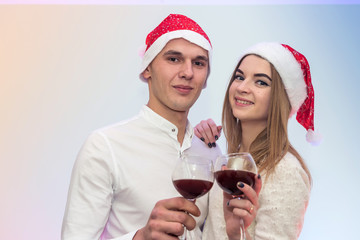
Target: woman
x,y
270,83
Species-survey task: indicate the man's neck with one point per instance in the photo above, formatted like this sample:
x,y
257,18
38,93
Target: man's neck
x,y
178,118
181,130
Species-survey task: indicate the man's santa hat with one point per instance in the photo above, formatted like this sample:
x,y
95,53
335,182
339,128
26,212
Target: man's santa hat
x,y
172,27
294,71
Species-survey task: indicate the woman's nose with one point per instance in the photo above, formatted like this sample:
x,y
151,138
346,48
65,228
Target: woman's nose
x,y
243,86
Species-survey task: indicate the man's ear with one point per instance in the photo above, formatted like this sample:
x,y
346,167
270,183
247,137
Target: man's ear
x,y
146,73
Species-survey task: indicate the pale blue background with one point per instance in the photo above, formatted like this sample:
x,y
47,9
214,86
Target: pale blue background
x,y
67,70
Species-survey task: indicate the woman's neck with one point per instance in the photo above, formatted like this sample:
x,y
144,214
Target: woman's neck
x,y
250,131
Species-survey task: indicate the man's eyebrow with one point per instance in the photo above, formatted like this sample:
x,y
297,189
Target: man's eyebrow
x,y
177,53
172,52
202,57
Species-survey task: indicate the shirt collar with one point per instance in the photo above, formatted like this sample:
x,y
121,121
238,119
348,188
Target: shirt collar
x,y
166,125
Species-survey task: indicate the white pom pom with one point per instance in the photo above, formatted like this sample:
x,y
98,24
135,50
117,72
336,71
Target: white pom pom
x,y
314,138
141,51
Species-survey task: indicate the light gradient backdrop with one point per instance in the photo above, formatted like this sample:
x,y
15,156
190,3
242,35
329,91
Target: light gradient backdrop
x,y
66,70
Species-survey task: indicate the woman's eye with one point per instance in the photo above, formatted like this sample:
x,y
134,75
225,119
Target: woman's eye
x,y
239,77
262,83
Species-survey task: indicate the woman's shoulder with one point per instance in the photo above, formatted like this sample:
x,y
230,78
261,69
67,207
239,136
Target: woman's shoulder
x,y
290,170
283,200
288,162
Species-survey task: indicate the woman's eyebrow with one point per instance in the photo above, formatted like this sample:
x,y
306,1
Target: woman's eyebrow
x,y
238,70
262,75
256,75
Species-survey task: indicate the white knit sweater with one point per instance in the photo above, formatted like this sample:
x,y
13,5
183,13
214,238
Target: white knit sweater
x,y
283,201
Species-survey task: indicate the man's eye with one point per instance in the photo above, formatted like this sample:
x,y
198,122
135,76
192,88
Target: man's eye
x,y
173,59
199,63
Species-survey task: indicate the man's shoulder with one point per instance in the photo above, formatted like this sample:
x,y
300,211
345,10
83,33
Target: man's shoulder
x,y
134,121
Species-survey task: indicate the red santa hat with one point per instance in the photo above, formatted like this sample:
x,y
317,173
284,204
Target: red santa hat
x,y
294,71
172,27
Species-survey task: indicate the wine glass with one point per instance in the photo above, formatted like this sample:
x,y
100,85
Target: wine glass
x,y
193,177
231,169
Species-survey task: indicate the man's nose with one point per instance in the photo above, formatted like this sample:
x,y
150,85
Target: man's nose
x,y
186,70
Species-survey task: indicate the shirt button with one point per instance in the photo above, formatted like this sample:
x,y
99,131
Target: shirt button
x,y
173,130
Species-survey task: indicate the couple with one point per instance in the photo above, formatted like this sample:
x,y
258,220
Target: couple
x,y
121,182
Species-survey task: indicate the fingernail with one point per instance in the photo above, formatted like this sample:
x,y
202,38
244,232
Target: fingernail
x,y
210,145
259,176
216,137
228,203
213,144
240,184
202,139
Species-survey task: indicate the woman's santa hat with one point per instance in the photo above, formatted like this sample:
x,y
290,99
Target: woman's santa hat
x,y
294,71
172,27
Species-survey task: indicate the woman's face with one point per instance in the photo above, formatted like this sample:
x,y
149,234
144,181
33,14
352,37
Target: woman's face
x,y
249,93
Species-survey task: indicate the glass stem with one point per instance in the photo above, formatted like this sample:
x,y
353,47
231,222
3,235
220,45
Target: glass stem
x,y
185,234
242,230
183,237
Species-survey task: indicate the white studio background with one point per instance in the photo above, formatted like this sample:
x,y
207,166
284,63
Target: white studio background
x,y
66,70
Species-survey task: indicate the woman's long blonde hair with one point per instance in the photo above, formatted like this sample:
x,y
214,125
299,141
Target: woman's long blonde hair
x,y
271,145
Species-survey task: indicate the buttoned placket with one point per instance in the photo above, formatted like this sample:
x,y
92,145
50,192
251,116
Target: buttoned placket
x,y
186,143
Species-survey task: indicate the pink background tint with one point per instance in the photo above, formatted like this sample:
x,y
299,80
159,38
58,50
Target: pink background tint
x,y
66,70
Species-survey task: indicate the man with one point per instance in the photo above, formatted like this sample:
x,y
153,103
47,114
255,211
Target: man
x,y
121,184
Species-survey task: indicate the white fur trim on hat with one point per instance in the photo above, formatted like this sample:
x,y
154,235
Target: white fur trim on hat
x,y
161,42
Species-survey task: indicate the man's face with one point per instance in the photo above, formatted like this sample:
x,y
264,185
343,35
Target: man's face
x,y
176,76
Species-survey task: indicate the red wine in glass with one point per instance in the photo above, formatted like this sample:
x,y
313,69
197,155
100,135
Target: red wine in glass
x,y
192,188
231,169
228,179
193,177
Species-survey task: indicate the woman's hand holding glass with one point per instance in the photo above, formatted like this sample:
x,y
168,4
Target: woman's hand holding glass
x,y
232,172
243,208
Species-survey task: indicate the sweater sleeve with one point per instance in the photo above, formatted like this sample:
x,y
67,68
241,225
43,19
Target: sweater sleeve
x,y
90,192
283,201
